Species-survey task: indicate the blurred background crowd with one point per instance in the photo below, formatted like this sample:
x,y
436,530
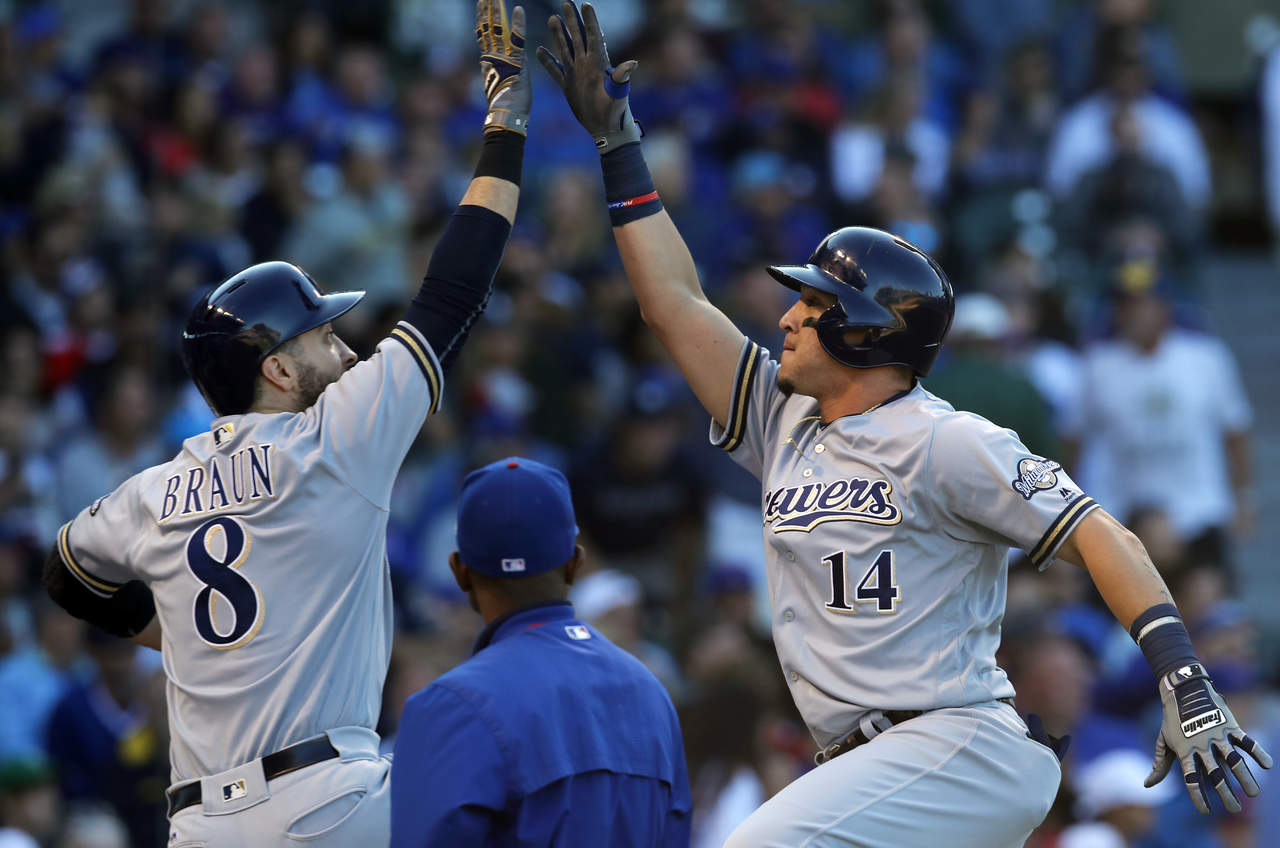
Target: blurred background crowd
x,y
1100,178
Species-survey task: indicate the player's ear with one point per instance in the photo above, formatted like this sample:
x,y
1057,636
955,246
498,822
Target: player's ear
x,y
574,565
461,575
278,370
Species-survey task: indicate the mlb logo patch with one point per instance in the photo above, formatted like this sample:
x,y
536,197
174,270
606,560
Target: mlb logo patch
x,y
232,791
577,631
513,565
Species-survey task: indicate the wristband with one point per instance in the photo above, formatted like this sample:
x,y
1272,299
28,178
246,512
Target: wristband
x,y
502,156
628,187
1163,638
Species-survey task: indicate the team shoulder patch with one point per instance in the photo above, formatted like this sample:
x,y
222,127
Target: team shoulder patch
x,y
1035,475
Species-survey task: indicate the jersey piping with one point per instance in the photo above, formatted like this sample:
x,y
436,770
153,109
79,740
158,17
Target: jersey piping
x,y
408,335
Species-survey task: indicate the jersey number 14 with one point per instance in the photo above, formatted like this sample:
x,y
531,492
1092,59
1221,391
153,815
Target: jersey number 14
x,y
879,585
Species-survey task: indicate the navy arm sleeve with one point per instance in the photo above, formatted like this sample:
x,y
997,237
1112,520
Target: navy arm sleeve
x,y
459,279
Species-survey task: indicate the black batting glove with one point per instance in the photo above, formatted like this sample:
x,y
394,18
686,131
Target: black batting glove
x,y
596,91
1201,734
506,83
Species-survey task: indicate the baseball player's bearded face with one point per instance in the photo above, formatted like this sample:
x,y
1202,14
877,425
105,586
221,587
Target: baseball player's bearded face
x,y
805,367
320,358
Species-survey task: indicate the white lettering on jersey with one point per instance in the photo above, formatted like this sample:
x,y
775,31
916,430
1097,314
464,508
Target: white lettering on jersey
x,y
226,481
851,499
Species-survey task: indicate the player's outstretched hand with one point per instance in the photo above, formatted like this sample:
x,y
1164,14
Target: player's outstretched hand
x,y
506,82
1200,733
597,92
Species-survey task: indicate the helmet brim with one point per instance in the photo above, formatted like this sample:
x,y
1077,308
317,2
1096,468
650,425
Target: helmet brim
x,y
795,276
332,306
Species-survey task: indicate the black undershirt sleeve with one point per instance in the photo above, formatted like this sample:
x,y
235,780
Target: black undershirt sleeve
x,y
125,614
459,280
460,277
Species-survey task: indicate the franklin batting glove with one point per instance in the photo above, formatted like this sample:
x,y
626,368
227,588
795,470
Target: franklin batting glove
x,y
506,85
1200,733
596,91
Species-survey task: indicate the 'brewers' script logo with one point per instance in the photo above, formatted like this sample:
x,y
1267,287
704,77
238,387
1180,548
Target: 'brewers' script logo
x,y
853,499
1035,475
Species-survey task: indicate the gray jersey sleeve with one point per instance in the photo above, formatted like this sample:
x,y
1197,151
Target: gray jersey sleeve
x,y
996,491
752,409
370,417
97,544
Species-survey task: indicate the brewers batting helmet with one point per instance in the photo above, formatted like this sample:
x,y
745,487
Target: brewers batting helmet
x,y
242,320
883,284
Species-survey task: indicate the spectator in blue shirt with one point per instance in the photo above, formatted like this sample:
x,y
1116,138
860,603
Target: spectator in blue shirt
x,y
549,735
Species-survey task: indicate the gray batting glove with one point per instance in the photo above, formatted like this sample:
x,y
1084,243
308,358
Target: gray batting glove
x,y
506,85
596,91
1200,733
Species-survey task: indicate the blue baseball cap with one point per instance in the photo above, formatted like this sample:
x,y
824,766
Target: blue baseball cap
x,y
515,519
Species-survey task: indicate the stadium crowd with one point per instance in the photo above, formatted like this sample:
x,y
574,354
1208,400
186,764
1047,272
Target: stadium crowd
x,y
148,149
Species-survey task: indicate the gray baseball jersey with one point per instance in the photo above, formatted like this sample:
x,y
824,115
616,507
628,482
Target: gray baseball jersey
x,y
886,543
264,544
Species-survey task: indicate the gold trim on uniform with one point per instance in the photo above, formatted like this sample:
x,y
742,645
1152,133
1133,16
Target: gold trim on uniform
x,y
426,361
97,585
1061,528
737,423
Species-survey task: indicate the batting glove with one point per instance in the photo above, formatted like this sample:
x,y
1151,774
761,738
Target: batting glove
x,y
1200,733
596,91
506,85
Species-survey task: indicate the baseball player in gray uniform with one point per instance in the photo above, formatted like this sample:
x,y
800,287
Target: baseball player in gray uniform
x,y
888,517
256,558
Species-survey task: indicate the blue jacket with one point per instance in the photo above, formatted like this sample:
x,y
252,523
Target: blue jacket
x,y
550,735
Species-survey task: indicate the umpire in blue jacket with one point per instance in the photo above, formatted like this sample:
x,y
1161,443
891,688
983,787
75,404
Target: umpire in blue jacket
x,y
549,735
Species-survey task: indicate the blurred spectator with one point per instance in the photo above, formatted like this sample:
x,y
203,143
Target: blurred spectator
x,y
121,444
108,739
1085,138
1006,131
1019,21
774,214
1078,45
905,48
93,828
859,148
29,804
974,375
1270,103
356,237
280,201
1131,185
1117,810
34,676
613,602
1163,420
639,479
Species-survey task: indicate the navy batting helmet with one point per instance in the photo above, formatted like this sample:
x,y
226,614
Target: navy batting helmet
x,y
243,319
883,284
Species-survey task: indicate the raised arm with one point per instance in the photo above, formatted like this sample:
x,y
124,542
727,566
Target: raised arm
x,y
457,285
1198,731
703,341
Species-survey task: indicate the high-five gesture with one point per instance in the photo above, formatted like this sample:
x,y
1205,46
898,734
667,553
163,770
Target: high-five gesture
x,y
596,91
506,85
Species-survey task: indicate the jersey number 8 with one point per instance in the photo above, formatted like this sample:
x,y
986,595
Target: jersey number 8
x,y
878,585
223,585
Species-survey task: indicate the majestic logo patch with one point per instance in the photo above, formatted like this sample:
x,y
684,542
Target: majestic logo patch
x,y
97,505
1035,475
852,499
577,631
513,564
1202,722
232,791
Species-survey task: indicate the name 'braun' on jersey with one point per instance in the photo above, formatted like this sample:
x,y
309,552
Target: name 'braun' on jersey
x,y
886,543
264,544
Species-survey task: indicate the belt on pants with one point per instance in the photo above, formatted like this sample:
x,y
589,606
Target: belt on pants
x,y
274,765
879,722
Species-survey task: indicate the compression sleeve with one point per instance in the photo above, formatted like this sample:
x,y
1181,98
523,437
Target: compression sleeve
x,y
460,277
